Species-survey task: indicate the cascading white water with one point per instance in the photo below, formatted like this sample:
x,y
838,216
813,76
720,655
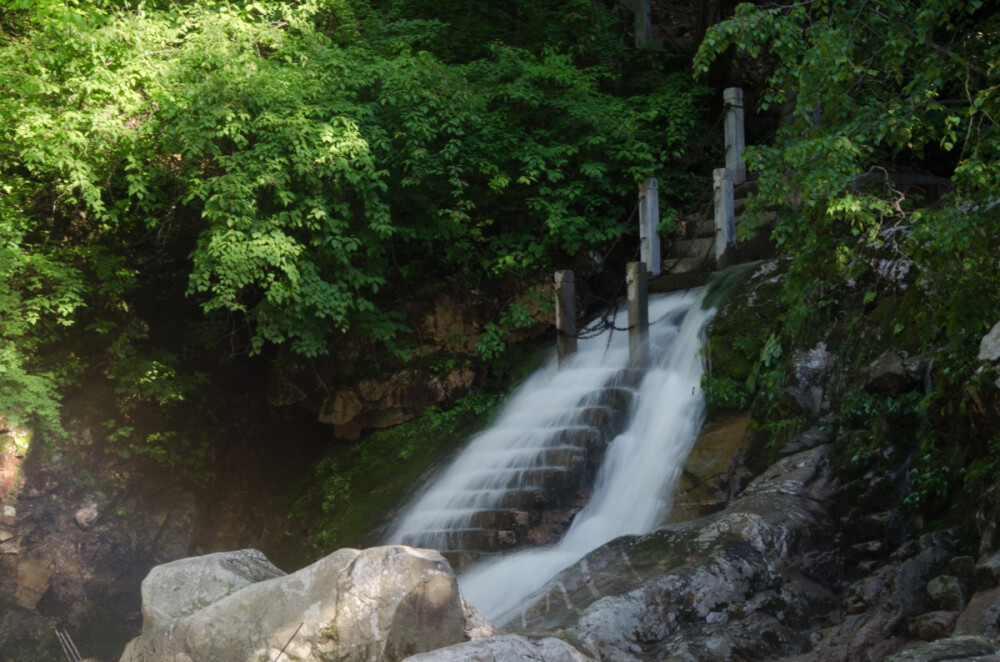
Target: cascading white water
x,y
633,486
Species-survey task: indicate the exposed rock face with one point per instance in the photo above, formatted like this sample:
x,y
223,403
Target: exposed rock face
x,y
183,587
988,521
891,374
933,625
714,471
949,593
876,606
987,572
812,371
982,616
384,603
719,588
505,647
77,556
958,649
372,403
989,346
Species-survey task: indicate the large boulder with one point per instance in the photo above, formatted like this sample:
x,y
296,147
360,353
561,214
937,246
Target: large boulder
x,y
987,571
379,604
956,649
982,616
505,647
720,588
183,587
948,593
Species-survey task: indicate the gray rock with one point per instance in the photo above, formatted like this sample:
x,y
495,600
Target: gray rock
x,y
811,438
988,521
933,625
989,346
987,572
505,648
87,515
863,594
954,649
384,603
812,370
719,588
714,469
897,593
183,587
888,375
963,567
476,625
948,593
982,616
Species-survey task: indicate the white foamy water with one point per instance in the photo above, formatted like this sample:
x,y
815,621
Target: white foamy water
x,y
632,491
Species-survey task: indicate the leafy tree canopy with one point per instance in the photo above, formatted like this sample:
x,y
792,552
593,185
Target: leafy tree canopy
x,y
874,86
298,163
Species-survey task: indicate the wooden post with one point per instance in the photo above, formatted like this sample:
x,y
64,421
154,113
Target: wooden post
x,y
638,314
643,23
565,315
649,221
735,137
725,216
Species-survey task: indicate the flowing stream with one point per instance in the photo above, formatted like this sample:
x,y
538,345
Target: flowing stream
x,y
497,471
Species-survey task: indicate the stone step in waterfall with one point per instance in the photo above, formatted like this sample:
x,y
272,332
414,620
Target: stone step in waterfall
x,y
510,486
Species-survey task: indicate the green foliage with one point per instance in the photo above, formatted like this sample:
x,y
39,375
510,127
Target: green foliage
x,y
724,393
39,293
862,92
356,486
983,471
742,349
491,345
309,168
293,168
159,409
871,88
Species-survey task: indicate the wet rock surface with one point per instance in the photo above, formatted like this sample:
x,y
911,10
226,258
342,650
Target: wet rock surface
x,y
958,649
505,647
715,469
719,588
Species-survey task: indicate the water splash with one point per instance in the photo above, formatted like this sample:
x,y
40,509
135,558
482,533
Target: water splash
x,y
633,486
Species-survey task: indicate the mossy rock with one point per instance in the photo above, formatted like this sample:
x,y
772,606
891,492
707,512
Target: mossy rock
x,y
739,333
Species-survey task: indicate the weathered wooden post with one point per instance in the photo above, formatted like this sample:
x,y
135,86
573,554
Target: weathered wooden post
x,y
735,137
638,314
725,216
565,315
643,23
649,221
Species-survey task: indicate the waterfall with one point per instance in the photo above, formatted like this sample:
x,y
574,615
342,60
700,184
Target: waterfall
x,y
551,416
